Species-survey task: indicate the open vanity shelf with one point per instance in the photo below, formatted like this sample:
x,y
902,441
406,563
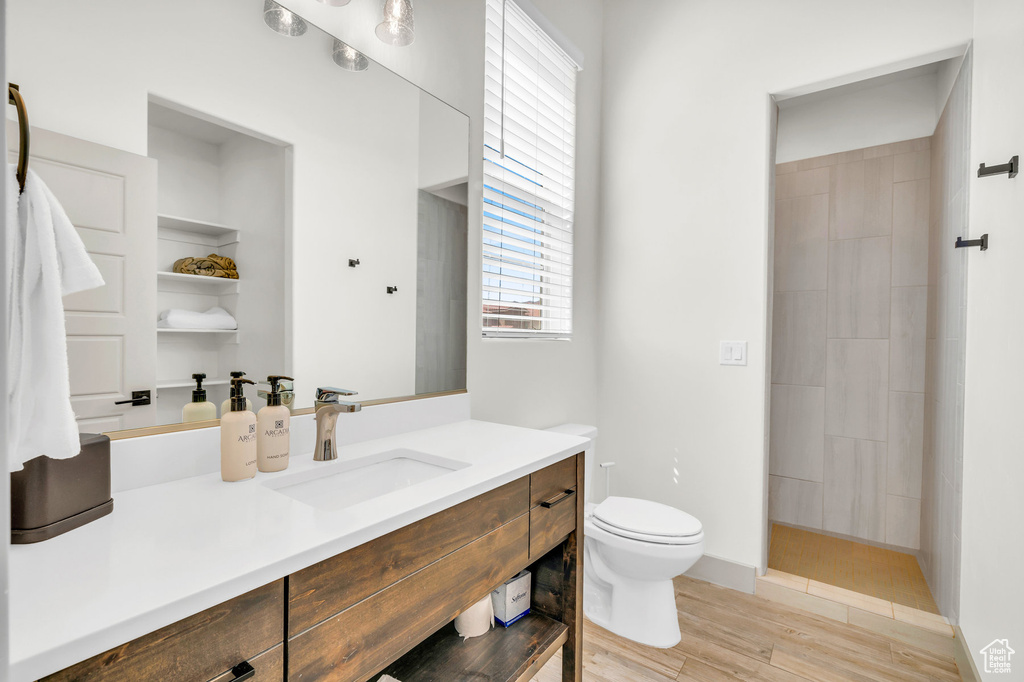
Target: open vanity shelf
x,y
501,655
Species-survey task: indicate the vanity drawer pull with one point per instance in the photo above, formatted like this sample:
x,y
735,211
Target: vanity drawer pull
x,y
557,499
243,671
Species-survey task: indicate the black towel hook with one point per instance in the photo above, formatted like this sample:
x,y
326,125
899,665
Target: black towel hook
x,y
14,97
962,243
1010,168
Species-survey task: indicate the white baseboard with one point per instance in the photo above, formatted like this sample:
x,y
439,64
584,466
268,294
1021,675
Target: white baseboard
x,y
964,659
736,576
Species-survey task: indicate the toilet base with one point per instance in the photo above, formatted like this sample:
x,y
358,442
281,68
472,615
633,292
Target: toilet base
x,y
641,610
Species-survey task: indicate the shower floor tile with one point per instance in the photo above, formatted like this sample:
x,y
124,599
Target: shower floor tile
x,y
883,573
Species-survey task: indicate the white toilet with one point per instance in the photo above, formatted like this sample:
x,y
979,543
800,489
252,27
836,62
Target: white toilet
x,y
633,549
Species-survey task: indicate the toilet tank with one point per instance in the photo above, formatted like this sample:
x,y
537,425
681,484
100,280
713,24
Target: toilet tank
x,y
584,431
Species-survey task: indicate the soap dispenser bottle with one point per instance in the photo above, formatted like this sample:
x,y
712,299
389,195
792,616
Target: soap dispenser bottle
x,y
273,424
225,407
200,409
238,437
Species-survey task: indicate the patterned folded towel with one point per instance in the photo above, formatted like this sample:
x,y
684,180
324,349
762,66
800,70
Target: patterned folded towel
x,y
211,266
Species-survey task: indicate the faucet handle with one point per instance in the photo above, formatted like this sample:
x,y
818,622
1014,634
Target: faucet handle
x,y
330,395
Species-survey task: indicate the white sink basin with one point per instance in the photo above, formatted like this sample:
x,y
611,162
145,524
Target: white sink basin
x,y
343,484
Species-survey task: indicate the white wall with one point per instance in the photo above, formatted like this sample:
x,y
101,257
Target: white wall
x,y
528,383
355,138
991,589
684,236
444,145
189,175
254,192
894,110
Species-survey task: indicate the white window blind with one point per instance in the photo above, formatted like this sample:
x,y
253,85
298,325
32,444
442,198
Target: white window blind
x,y
529,178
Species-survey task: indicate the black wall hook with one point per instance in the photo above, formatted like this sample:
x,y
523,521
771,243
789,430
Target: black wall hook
x,y
352,262
1009,168
392,290
964,243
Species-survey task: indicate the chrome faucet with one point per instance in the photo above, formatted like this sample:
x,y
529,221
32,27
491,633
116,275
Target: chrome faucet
x,y
328,407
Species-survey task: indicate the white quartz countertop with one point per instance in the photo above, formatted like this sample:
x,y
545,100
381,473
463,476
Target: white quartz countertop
x,y
168,551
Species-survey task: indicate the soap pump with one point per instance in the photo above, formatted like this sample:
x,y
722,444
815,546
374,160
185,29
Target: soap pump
x,y
225,406
200,409
238,436
273,423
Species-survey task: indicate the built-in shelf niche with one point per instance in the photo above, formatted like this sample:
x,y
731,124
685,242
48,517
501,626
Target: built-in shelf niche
x,y
219,191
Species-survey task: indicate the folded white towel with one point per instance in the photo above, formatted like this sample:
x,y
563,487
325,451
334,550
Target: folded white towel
x,y
47,260
214,318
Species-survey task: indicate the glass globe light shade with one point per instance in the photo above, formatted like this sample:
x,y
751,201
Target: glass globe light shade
x,y
285,22
397,27
348,58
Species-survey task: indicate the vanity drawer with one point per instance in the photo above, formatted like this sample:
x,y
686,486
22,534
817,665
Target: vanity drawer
x,y
552,520
550,481
324,589
268,667
358,642
199,648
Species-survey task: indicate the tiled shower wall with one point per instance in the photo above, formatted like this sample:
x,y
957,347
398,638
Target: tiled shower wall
x,y
848,342
944,387
440,295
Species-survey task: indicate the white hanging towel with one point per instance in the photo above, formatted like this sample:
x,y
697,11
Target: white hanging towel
x,y
46,260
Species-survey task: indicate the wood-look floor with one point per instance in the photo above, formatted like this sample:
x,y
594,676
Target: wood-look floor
x,y
728,635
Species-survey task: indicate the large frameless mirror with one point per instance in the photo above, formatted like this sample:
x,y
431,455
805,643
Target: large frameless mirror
x,y
257,202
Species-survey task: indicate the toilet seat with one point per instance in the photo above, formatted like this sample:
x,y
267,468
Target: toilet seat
x,y
653,539
647,521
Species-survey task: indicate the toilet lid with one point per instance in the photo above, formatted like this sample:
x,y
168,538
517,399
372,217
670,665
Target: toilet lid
x,y
644,517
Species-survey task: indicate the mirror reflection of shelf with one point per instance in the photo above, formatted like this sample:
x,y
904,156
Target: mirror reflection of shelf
x,y
214,178
170,330
191,231
172,281
189,383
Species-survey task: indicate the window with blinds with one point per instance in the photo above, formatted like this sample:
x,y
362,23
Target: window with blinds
x,y
529,178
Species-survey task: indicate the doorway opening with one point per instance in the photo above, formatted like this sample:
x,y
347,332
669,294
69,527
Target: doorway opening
x,y
866,332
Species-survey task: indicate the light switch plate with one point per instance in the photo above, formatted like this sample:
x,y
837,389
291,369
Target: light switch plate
x,y
732,353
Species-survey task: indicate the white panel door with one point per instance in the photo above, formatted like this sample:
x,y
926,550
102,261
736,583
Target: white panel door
x,y
110,196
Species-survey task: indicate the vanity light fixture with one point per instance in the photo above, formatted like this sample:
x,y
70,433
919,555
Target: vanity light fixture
x,y
348,58
397,27
335,3
284,21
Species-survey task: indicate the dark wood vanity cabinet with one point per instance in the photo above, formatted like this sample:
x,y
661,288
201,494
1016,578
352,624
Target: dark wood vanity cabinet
x,y
386,605
202,647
